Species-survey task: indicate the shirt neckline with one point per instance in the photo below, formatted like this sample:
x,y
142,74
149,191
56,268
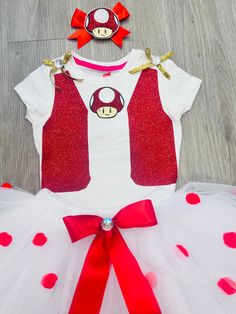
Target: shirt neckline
x,y
130,61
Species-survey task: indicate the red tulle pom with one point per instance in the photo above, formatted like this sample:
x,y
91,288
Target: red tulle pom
x,y
49,280
6,185
5,239
227,285
230,239
183,250
192,198
39,239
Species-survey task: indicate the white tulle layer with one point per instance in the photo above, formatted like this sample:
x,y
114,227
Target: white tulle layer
x,y
185,285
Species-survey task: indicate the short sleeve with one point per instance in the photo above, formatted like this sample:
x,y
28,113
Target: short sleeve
x,y
177,93
37,93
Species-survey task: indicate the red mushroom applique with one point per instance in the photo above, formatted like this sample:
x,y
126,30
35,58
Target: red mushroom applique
x,y
100,23
106,102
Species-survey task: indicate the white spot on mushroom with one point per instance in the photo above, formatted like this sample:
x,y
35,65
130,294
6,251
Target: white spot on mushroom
x,y
116,20
101,16
106,95
122,100
87,21
92,100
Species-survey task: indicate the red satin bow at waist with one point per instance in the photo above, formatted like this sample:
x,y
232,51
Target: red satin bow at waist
x,y
109,248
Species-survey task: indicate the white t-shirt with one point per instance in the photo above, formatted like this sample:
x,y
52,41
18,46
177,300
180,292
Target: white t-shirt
x,y
108,127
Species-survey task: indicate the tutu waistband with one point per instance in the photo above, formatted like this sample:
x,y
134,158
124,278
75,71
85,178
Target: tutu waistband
x,y
11,198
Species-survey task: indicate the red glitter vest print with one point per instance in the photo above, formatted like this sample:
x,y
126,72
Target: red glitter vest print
x,y
65,157
152,146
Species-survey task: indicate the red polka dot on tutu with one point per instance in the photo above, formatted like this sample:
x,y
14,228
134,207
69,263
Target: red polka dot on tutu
x,y
151,278
193,198
49,280
39,239
5,239
230,239
227,285
6,185
183,250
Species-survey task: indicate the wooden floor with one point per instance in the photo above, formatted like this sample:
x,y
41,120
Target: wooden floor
x,y
201,32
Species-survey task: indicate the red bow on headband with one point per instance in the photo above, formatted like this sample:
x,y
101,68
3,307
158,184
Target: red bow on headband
x,y
100,23
109,247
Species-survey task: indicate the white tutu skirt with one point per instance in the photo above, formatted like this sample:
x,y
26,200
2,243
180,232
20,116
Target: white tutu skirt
x,y
188,258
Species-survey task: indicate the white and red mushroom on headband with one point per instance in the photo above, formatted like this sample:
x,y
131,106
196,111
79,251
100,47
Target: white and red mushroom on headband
x,y
102,23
